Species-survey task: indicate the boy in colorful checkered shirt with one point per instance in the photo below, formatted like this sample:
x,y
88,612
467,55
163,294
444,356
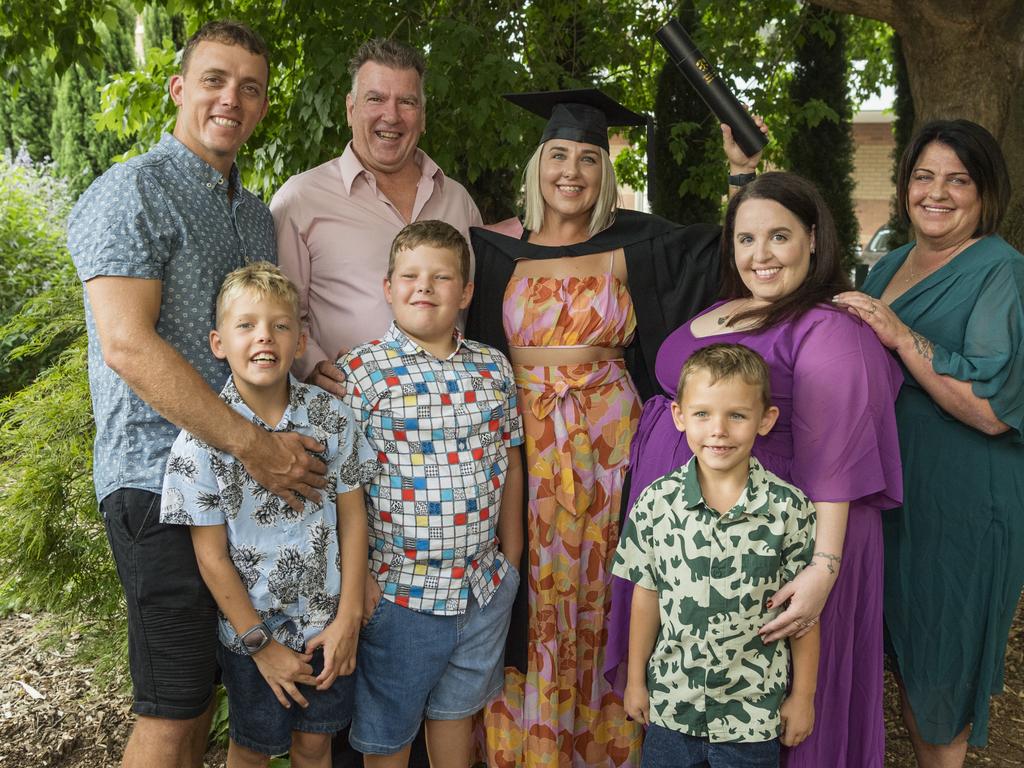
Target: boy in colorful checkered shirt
x,y
445,512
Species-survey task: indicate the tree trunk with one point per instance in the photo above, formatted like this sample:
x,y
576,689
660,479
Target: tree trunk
x,y
964,60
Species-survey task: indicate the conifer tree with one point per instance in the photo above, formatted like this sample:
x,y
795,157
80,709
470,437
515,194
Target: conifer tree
x,y
821,145
903,129
683,128
80,151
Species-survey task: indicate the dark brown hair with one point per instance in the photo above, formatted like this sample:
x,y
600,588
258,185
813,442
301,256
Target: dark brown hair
x,y
229,33
437,234
978,150
825,276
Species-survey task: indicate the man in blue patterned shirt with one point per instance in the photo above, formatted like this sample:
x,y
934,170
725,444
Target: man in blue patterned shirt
x,y
444,511
152,240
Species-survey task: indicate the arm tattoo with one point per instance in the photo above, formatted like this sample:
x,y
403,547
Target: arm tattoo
x,y
831,561
922,346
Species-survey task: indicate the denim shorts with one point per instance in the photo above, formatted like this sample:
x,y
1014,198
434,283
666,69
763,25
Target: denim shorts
x,y
172,619
665,748
413,665
260,723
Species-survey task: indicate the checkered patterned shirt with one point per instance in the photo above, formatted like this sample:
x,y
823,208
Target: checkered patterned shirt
x,y
442,430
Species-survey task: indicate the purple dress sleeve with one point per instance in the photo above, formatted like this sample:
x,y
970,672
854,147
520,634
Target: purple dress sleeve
x,y
845,446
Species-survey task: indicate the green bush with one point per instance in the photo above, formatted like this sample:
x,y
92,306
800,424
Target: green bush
x,y
53,550
34,206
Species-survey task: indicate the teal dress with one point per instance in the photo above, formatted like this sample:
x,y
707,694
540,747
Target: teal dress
x,y
954,552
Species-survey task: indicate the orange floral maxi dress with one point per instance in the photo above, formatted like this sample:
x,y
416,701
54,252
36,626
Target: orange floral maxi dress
x,y
579,420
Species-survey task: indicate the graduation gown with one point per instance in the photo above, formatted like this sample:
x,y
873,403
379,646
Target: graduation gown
x,y
672,273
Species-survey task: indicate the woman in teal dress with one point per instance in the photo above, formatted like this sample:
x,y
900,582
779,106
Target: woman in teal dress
x,y
950,306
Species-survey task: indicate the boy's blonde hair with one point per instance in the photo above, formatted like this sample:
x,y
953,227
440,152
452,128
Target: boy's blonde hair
x,y
723,361
262,279
436,234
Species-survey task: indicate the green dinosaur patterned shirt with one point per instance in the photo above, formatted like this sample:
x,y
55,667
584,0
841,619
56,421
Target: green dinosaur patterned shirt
x,y
710,675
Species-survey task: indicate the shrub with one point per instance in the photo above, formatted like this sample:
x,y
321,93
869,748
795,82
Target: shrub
x,y
34,205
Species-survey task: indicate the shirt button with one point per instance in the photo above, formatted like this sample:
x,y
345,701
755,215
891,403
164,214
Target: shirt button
x,y
209,185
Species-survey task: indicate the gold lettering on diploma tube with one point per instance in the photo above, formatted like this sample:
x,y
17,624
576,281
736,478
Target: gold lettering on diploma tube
x,y
705,69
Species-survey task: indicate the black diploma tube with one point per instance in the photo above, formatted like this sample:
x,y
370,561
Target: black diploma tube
x,y
710,88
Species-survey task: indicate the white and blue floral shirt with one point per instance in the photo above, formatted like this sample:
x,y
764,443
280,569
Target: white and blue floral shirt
x,y
289,561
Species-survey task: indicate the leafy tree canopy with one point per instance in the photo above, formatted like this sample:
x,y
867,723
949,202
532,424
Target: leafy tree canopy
x,y
475,51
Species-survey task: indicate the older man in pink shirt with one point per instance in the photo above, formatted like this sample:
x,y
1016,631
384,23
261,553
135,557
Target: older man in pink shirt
x,y
335,222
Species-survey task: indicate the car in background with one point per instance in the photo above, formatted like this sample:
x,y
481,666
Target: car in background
x,y
879,245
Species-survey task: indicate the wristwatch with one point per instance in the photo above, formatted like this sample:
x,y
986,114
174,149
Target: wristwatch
x,y
741,179
256,639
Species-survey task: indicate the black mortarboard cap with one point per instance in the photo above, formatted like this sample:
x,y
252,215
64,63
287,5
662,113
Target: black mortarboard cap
x,y
583,114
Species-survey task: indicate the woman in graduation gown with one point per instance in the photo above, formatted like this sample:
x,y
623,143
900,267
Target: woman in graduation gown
x,y
951,306
580,303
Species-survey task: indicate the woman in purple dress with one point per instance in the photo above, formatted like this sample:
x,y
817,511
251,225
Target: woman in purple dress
x,y
835,386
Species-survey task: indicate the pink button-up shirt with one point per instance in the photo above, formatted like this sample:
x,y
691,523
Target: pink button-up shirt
x,y
334,232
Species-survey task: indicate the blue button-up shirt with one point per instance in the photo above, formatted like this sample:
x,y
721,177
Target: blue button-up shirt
x,y
165,216
288,561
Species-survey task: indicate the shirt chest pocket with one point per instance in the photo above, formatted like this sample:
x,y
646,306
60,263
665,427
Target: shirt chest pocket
x,y
761,569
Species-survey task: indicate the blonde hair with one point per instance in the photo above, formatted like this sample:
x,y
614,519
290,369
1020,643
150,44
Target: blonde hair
x,y
262,279
436,234
724,361
601,215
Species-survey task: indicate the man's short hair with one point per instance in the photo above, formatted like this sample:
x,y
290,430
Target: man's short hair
x,y
262,279
229,33
436,234
388,52
724,361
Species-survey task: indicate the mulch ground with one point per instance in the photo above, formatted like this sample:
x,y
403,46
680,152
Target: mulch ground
x,y
54,713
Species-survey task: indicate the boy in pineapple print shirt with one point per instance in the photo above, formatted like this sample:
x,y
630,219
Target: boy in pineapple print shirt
x,y
290,597
445,510
707,545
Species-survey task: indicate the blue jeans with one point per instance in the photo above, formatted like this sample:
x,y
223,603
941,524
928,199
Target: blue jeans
x,y
413,665
664,748
260,723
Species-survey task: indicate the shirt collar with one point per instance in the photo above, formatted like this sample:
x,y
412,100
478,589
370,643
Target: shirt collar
x,y
206,174
407,346
351,168
296,394
752,502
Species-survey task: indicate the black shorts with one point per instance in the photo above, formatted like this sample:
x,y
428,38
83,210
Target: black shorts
x,y
172,619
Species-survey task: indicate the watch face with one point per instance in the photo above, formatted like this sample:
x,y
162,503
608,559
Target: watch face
x,y
255,638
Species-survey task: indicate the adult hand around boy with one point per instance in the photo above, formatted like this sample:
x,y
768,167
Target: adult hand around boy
x,y
326,375
637,702
806,594
284,669
339,641
282,463
797,715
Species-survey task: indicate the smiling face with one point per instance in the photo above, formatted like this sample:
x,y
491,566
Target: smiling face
x,y
721,421
772,249
387,117
260,337
220,100
942,198
426,294
570,178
